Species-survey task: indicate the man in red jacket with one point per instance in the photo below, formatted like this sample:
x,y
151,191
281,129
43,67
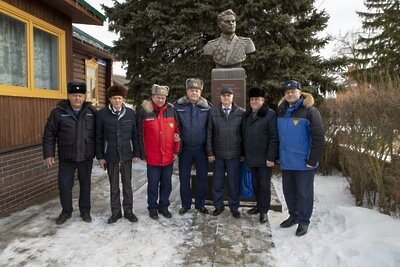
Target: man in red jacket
x,y
159,142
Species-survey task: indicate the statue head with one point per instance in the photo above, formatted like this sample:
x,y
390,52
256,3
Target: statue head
x,y
227,21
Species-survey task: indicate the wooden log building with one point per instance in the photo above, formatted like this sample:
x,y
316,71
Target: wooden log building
x,y
40,52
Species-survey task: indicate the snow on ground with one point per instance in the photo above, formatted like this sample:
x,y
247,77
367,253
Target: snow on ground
x,y
340,233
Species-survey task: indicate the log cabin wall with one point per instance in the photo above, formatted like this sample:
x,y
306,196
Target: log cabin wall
x,y
23,175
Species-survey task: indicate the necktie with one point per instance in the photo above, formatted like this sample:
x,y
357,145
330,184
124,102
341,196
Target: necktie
x,y
117,113
226,111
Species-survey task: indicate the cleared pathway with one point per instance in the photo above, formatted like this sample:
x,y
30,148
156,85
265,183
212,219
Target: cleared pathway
x,y
31,238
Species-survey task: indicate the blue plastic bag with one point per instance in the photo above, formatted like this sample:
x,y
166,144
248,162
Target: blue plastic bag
x,y
246,182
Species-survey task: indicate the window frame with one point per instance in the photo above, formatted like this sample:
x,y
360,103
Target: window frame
x,y
32,22
93,65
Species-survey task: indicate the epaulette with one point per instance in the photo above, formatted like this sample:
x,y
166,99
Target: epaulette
x,y
214,40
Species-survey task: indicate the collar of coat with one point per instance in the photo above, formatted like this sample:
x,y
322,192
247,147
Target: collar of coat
x,y
202,102
147,105
122,111
307,103
233,107
64,104
262,112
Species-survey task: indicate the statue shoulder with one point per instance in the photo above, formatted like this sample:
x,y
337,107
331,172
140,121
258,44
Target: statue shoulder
x,y
209,48
214,40
248,43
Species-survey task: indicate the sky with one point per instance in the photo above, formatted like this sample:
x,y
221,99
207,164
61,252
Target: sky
x,y
340,234
343,18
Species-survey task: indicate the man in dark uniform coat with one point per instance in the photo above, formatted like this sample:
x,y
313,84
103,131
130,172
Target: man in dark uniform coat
x,y
193,111
71,125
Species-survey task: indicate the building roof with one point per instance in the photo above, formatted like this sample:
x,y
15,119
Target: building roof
x,y
120,80
88,39
79,10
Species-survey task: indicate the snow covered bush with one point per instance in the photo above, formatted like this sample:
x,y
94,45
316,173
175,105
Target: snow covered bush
x,y
363,141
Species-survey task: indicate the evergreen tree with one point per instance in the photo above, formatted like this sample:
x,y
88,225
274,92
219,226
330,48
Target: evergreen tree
x,y
381,38
162,42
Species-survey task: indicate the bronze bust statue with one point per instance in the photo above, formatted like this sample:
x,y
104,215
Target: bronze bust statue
x,y
228,50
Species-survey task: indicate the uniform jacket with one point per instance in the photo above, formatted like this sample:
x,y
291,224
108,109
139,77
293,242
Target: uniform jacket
x,y
75,137
301,134
156,129
193,120
224,135
231,54
260,137
116,136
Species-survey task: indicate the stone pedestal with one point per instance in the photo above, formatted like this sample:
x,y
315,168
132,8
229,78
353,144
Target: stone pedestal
x,y
276,205
234,78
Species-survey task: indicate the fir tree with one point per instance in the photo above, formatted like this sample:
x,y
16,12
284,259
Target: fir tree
x,y
162,42
381,38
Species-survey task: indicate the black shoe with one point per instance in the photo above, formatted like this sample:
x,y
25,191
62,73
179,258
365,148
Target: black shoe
x,y
130,216
218,211
183,210
301,229
166,213
263,218
63,218
203,210
153,214
235,214
86,217
289,222
253,211
115,217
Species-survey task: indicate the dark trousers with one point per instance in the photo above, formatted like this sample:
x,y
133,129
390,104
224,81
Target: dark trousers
x,y
66,172
113,170
159,184
232,169
186,159
298,189
262,187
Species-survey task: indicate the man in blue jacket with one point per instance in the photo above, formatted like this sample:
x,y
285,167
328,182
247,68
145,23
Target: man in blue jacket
x,y
301,140
116,148
193,111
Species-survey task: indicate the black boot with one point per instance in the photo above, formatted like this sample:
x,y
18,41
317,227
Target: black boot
x,y
130,216
203,210
165,213
218,211
183,210
301,229
263,217
115,217
253,211
235,214
289,222
86,217
153,214
63,218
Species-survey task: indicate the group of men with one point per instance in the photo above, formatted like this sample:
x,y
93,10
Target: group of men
x,y
199,134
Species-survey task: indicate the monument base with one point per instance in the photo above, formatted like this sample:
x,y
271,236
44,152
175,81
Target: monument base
x,y
234,78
